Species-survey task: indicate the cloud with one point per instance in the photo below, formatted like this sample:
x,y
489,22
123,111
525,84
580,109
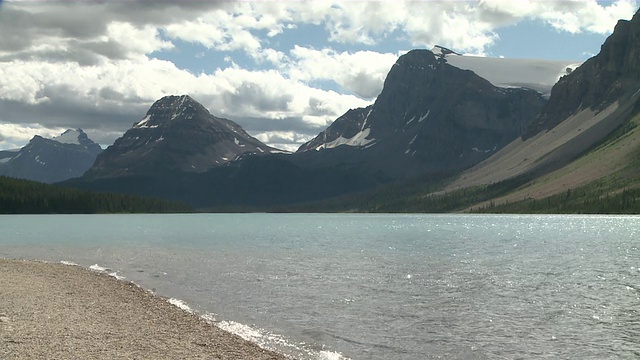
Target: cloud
x,y
361,73
89,63
14,136
113,96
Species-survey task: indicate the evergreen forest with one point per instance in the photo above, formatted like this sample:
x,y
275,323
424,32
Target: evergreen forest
x,y
29,197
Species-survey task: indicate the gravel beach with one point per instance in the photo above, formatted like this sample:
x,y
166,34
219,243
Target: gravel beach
x,y
56,311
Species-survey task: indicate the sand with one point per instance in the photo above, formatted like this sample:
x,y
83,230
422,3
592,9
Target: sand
x,y
56,311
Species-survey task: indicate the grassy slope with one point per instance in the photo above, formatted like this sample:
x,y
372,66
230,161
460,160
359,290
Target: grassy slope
x,y
606,179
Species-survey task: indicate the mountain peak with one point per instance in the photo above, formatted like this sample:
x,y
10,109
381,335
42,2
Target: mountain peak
x,y
70,136
177,101
172,108
442,51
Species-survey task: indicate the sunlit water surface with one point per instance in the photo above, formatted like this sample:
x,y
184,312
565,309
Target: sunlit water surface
x,y
374,286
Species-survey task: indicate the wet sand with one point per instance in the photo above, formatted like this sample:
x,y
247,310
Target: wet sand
x,y
56,311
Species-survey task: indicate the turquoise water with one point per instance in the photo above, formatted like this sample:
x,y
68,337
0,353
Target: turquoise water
x,y
374,286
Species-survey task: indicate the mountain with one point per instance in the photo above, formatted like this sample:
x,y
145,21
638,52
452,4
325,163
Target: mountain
x,y
430,118
176,135
581,154
51,160
609,77
577,152
585,108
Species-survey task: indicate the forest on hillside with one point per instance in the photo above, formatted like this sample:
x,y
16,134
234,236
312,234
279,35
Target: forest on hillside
x,y
29,197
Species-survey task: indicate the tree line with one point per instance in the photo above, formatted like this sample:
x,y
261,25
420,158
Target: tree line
x,y
19,196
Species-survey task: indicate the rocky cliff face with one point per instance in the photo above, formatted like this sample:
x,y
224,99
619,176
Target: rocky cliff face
x,y
51,160
177,135
431,117
611,75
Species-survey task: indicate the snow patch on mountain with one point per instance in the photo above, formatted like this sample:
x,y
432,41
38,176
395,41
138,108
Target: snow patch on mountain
x,y
358,140
413,140
142,124
364,122
424,117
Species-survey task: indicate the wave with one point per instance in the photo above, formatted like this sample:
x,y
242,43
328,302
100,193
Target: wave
x,y
68,263
100,269
261,337
180,304
274,342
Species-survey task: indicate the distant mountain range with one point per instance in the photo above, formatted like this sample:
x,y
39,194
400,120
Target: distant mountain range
x,y
63,157
447,133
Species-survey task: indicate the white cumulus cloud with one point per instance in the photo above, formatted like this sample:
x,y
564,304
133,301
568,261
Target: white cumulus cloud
x,y
68,64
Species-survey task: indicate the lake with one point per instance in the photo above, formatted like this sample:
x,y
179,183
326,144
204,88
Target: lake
x,y
371,286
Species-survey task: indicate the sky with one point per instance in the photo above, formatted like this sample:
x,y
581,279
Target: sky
x,y
283,70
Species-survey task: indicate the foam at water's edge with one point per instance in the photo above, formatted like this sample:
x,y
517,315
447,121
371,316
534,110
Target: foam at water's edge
x,y
97,267
260,337
330,355
180,304
100,269
275,342
115,275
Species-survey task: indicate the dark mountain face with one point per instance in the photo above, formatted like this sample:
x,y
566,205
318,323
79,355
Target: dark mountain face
x,y
431,117
51,160
177,135
612,75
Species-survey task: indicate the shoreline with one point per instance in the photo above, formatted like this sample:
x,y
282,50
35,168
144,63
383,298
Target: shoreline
x,y
56,310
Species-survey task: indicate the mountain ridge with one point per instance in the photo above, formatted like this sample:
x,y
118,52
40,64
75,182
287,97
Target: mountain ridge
x,y
63,157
